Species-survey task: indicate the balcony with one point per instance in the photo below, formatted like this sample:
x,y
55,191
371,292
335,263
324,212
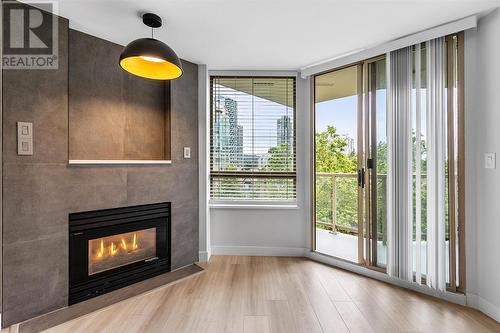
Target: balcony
x,y
337,225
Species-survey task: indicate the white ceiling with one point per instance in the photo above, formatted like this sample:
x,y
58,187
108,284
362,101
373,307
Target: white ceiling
x,y
265,34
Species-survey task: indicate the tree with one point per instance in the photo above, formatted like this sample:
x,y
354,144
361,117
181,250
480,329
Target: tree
x,y
331,155
280,158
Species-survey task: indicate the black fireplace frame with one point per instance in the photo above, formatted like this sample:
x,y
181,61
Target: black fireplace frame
x,y
107,222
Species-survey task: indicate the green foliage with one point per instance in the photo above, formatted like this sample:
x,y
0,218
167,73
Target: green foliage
x,y
331,153
332,157
280,158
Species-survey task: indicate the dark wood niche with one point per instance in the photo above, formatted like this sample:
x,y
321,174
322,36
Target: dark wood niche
x,y
113,115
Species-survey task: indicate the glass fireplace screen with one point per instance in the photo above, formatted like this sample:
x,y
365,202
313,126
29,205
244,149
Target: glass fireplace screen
x,y
119,250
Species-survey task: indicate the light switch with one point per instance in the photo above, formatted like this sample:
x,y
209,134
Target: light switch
x,y
24,138
24,129
489,160
187,152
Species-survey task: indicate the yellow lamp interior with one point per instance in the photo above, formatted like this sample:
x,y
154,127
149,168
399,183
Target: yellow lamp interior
x,y
151,67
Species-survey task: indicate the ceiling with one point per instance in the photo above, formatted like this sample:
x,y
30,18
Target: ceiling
x,y
337,84
266,34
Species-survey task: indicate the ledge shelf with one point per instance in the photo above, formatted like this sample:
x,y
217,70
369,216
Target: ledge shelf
x,y
119,162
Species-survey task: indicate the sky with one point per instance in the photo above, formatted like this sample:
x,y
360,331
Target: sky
x,y
342,113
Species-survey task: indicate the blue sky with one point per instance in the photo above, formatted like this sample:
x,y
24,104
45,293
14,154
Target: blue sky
x,y
342,113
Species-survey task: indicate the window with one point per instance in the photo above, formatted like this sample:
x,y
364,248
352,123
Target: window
x,y
252,148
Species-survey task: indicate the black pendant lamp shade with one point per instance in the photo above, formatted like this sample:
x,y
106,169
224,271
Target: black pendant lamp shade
x,y
149,57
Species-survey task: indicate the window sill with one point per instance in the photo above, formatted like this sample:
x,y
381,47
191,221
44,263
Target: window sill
x,y
256,205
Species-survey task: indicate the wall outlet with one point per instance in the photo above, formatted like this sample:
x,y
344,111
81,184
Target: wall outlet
x,y
187,152
24,138
489,160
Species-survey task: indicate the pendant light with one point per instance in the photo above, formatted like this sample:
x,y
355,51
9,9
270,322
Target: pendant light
x,y
149,57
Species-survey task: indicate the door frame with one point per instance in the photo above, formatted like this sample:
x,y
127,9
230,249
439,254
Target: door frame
x,y
362,140
359,88
370,133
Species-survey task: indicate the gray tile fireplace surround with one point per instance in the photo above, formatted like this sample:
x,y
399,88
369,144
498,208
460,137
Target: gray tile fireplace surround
x,y
40,191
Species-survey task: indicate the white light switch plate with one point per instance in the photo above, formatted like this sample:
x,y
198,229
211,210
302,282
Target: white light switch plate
x,y
187,152
489,160
24,138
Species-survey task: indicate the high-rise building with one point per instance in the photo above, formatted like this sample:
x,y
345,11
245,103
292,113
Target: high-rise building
x,y
238,148
221,154
284,131
228,135
350,148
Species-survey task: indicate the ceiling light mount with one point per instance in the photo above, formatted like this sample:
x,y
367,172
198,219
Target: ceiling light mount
x,y
151,20
149,57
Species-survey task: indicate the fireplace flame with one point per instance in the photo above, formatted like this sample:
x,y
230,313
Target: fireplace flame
x,y
101,250
113,249
134,242
117,247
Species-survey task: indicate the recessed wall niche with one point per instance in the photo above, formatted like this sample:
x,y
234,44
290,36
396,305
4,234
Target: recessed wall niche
x,y
114,117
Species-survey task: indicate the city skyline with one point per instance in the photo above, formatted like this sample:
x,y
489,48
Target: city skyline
x,y
242,136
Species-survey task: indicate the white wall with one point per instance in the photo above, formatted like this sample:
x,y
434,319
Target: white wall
x,y
271,231
483,185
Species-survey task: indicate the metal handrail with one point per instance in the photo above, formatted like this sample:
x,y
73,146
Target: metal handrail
x,y
333,225
334,176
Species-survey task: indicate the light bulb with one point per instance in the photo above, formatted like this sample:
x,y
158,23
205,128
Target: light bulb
x,y
152,59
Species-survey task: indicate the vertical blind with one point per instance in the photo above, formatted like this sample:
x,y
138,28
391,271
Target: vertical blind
x,y
252,134
400,172
422,153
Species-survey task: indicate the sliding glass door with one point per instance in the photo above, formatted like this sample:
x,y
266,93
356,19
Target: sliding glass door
x,y
338,163
351,163
389,146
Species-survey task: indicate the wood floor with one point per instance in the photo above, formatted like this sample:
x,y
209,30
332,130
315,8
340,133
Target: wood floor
x,y
276,294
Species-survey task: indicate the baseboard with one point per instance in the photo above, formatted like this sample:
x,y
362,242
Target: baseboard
x,y
259,251
484,306
204,256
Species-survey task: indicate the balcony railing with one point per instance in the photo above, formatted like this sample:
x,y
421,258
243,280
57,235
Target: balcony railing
x,y
336,202
327,215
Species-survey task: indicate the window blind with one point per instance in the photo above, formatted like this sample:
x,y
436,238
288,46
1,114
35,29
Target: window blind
x,y
252,134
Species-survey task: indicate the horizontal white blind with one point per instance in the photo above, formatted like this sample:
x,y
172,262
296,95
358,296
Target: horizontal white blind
x,y
252,151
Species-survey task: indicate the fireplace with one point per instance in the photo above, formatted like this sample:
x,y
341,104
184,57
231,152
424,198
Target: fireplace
x,y
113,248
